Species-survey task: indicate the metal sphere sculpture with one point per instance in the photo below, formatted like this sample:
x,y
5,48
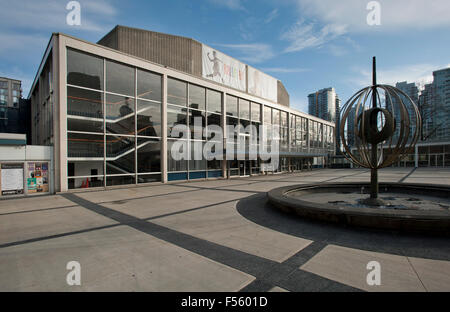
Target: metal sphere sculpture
x,y
377,135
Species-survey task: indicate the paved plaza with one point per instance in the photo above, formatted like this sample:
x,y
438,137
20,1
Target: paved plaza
x,y
217,235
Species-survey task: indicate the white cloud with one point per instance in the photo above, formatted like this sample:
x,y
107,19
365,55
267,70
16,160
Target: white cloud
x,y
419,73
12,43
299,103
252,52
230,4
395,15
272,15
305,35
337,18
51,15
284,70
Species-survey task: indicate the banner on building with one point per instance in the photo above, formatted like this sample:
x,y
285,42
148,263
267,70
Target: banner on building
x,y
223,69
262,85
12,179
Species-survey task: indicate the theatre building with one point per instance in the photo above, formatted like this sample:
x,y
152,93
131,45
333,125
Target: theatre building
x,y
108,110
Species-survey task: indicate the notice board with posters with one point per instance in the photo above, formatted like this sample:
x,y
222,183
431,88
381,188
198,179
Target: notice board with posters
x,y
37,177
11,179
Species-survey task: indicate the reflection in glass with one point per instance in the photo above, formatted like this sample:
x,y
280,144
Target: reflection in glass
x,y
120,180
284,119
84,145
120,158
232,106
197,97
85,125
176,92
148,155
267,115
244,109
172,164
214,120
200,119
85,168
256,112
197,152
149,178
175,115
119,78
214,101
148,118
77,183
275,117
85,103
84,70
119,115
148,85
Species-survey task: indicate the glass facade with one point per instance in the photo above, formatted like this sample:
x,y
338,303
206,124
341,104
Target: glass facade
x,y
114,127
113,122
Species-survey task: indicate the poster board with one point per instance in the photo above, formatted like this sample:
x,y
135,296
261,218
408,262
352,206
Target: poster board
x,y
223,69
37,177
11,179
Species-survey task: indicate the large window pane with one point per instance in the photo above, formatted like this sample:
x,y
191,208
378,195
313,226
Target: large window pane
x,y
275,117
176,92
85,168
200,118
148,118
267,115
84,70
175,116
119,78
172,164
85,125
120,158
149,178
284,122
232,122
214,101
148,85
256,112
120,180
244,109
88,182
214,164
200,162
148,155
232,106
84,145
197,97
119,114
86,103
214,119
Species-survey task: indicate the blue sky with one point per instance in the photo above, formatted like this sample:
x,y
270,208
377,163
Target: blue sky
x,y
307,44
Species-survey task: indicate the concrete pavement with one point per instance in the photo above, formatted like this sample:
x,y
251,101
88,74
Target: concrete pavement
x,y
218,235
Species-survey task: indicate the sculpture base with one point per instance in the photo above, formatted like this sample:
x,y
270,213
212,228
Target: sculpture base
x,y
347,203
375,202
